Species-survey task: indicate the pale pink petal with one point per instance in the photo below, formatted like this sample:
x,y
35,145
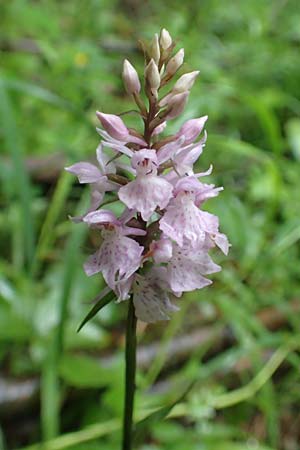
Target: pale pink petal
x,y
132,231
185,159
145,194
114,144
92,264
100,217
187,267
200,191
97,196
103,160
86,172
183,219
118,258
122,289
221,241
168,150
136,140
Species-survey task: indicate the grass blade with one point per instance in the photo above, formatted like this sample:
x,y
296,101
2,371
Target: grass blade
x,y
14,145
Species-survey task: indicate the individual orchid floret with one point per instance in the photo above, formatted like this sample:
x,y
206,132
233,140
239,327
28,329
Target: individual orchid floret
x,y
200,192
148,191
185,158
180,156
186,268
183,220
131,78
119,256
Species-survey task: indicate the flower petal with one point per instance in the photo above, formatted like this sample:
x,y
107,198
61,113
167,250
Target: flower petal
x,y
118,258
86,172
151,301
187,267
100,217
145,194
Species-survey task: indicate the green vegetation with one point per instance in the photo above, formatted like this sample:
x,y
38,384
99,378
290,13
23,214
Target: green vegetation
x,y
235,350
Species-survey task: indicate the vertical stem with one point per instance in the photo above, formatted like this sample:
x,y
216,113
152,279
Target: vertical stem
x,y
130,361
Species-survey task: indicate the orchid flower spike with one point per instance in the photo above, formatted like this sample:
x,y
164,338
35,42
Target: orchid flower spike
x,y
159,245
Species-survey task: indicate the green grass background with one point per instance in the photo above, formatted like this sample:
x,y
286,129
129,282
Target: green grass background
x,y
59,62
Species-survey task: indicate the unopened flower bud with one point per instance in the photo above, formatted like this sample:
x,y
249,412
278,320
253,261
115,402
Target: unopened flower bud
x,y
166,100
165,39
175,62
154,49
185,82
114,126
191,129
152,75
176,105
130,78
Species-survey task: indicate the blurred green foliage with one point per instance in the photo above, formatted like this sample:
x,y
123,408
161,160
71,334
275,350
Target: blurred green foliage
x,y
60,61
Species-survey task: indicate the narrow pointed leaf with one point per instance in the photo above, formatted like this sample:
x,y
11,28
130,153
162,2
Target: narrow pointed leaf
x,y
103,301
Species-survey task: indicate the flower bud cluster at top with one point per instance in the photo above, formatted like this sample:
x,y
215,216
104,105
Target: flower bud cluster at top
x,y
159,246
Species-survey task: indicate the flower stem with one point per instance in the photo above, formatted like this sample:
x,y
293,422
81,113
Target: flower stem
x,y
130,361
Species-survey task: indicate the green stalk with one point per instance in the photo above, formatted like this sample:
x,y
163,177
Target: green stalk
x,y
130,369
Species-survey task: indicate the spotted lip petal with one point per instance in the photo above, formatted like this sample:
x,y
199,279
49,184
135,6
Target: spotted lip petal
x,y
150,297
183,220
118,258
187,267
145,194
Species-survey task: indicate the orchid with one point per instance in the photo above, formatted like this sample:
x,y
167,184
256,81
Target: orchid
x,y
159,247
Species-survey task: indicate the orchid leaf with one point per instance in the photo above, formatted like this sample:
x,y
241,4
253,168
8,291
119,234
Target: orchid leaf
x,y
101,302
